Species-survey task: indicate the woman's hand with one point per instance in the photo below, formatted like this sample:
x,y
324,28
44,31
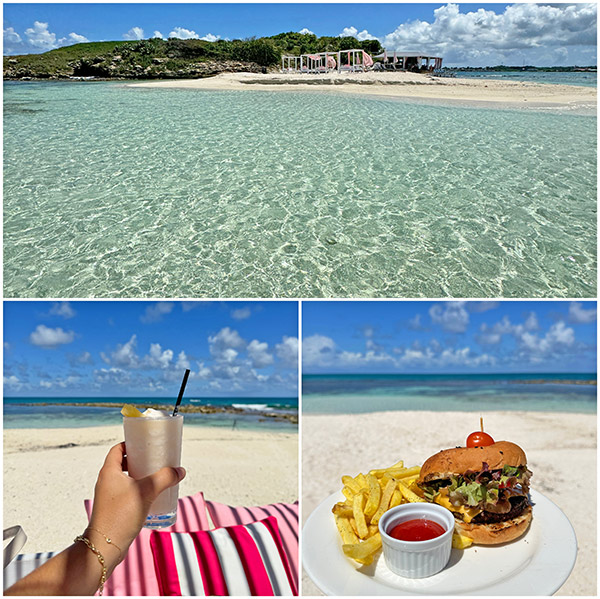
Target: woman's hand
x,y
122,503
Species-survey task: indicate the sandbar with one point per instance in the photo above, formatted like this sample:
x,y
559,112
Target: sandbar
x,y
49,472
560,448
488,93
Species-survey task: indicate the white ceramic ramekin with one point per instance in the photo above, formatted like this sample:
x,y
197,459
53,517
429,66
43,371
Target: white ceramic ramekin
x,y
416,559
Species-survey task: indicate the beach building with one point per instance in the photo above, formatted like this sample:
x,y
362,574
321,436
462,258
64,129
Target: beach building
x,y
327,62
409,61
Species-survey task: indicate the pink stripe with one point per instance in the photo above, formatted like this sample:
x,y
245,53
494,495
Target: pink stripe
x,y
136,574
256,574
215,578
202,564
287,518
270,523
168,580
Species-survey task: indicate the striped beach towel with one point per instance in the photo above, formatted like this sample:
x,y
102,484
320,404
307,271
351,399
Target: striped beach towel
x,y
242,560
24,564
135,574
286,515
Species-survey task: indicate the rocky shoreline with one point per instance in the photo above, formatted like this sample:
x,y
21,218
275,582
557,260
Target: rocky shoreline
x,y
114,68
291,417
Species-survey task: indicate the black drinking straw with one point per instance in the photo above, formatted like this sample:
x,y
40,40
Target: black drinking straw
x,y
180,396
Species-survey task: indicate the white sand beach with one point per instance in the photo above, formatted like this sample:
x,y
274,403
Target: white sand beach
x,y
46,481
560,448
484,92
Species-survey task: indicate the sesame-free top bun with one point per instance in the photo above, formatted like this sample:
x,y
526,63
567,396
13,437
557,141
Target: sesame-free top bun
x,y
461,459
498,532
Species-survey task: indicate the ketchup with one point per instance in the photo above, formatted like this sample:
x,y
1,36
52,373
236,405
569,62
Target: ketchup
x,y
417,530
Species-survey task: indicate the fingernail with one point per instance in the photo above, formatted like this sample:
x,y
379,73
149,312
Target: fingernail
x,y
180,472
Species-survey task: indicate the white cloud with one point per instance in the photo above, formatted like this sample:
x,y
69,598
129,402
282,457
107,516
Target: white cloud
x,y
287,351
225,343
85,358
12,382
452,316
11,36
48,338
558,338
63,309
184,34
259,354
361,36
540,34
492,335
125,354
579,315
305,31
155,312
157,358
158,34
72,38
40,37
241,313
182,361
318,350
209,37
135,33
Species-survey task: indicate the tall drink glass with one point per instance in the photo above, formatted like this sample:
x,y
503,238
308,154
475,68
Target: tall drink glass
x,y
152,443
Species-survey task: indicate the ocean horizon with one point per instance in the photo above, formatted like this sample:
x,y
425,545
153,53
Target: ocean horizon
x,y
255,413
361,393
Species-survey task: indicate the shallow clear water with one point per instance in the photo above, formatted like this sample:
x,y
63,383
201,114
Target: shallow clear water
x,y
355,394
112,191
586,79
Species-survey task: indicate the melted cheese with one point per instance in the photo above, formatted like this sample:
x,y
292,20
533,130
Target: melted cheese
x,y
468,513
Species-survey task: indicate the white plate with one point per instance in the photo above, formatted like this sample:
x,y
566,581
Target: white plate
x,y
538,563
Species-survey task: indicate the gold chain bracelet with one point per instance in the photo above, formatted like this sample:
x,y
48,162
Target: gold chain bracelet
x,y
108,540
100,557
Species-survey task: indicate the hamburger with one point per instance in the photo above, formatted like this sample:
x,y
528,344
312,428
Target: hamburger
x,y
486,488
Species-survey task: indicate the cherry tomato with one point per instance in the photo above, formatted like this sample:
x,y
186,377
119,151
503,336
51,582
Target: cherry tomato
x,y
479,439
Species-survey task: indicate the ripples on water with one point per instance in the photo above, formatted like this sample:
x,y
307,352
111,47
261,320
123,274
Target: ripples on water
x,y
112,191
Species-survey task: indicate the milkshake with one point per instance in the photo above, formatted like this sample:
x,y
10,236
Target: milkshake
x,y
152,441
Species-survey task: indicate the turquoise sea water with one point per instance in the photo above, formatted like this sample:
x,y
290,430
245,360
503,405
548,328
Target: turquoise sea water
x,y
354,394
586,79
69,412
111,191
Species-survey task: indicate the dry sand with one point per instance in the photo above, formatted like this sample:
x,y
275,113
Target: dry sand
x,y
482,92
45,484
560,448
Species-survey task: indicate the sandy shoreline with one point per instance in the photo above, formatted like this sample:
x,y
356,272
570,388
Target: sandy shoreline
x,y
560,447
409,86
45,484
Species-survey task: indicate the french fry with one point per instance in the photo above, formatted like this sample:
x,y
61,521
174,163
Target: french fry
x,y
345,530
396,498
374,495
460,541
361,481
366,499
381,471
359,516
343,510
409,495
351,483
385,501
361,551
348,493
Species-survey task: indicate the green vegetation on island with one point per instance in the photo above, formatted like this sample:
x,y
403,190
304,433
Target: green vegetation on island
x,y
173,58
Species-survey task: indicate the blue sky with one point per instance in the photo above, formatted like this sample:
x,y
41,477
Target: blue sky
x,y
465,34
141,349
448,337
